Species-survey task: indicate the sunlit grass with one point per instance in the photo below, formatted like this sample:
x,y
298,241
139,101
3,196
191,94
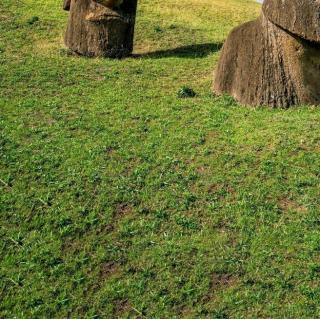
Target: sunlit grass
x,y
119,199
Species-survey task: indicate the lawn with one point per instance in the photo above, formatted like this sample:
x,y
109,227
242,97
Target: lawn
x,y
120,200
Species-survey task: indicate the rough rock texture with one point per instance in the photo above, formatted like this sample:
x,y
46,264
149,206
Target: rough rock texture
x,y
300,17
110,3
66,5
263,64
102,28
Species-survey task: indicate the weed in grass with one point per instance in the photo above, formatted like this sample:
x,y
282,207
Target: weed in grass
x,y
33,20
158,29
186,92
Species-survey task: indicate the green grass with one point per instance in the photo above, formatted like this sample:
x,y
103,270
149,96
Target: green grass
x,y
120,200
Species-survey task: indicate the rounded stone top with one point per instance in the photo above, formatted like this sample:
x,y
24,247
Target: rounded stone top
x,y
300,17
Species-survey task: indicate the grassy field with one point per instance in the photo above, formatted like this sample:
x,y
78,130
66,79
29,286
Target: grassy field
x,y
120,200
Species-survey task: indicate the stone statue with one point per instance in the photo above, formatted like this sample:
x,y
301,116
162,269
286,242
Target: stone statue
x,y
103,28
274,60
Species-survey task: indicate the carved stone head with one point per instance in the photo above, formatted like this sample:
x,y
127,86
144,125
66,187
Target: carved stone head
x,y
300,17
101,27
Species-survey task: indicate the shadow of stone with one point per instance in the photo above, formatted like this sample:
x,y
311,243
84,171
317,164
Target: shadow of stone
x,y
190,51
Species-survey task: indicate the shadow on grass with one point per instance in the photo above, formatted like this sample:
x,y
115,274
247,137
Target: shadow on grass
x,y
189,51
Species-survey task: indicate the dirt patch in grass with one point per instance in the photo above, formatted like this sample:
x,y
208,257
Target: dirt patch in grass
x,y
218,282
104,271
184,312
107,269
219,188
121,306
122,210
222,281
69,245
286,204
202,170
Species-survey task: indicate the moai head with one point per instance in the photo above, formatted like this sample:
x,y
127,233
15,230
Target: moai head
x,y
282,67
301,20
104,10
101,27
300,17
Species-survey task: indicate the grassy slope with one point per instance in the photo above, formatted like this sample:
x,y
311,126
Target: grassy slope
x,y
120,200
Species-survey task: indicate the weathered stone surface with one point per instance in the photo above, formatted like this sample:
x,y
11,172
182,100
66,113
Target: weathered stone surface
x,y
300,17
66,5
110,3
102,28
262,64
